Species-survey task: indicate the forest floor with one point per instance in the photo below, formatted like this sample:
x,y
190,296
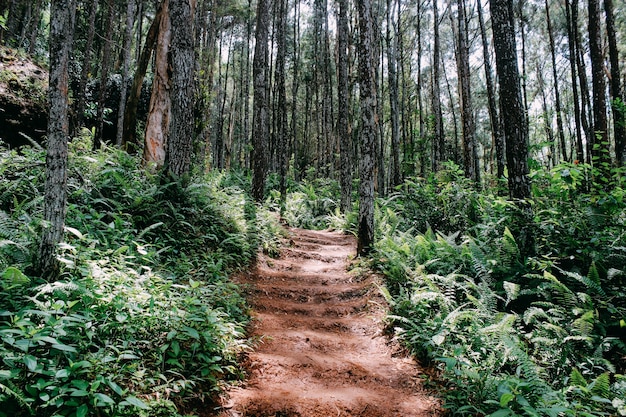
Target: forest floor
x,y
321,348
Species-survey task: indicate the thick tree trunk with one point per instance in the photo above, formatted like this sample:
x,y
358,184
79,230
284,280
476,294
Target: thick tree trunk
x,y
515,122
369,121
619,118
182,55
260,117
343,127
159,113
55,191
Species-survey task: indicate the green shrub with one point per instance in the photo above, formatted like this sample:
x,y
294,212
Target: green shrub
x,y
144,307
512,335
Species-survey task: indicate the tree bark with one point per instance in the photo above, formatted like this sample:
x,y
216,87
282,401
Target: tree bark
x,y
369,121
36,17
601,153
260,117
494,118
470,154
281,122
571,35
55,191
619,118
515,122
343,127
182,56
392,79
159,113
129,137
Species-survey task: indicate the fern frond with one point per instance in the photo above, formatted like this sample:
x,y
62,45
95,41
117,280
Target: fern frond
x,y
512,291
589,283
601,386
14,392
502,327
534,314
576,379
585,323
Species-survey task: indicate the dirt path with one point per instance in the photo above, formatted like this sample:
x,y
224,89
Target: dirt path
x,y
321,350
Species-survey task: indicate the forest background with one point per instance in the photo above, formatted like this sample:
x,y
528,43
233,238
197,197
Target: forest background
x,y
483,143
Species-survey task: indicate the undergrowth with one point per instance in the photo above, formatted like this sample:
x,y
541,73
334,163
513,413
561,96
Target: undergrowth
x,y
144,318
512,335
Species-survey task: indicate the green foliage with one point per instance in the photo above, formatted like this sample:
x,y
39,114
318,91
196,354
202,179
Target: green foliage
x,y
312,205
512,335
144,308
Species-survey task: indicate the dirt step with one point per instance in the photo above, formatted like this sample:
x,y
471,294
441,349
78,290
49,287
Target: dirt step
x,y
273,323
307,293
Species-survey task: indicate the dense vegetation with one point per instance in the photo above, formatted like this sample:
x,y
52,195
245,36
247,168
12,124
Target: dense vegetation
x,y
143,316
432,110
512,334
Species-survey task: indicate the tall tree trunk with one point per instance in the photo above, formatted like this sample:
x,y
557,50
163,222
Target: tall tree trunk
x,y
246,94
557,91
515,130
470,153
84,75
369,121
571,35
619,118
36,17
343,127
128,41
55,189
295,86
585,102
281,123
159,112
392,76
260,122
182,56
601,153
104,75
494,119
129,137
522,35
439,145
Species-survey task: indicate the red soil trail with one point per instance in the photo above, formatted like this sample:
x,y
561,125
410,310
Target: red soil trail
x,y
321,350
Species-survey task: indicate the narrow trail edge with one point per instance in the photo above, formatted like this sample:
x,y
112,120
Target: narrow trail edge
x,y
321,350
